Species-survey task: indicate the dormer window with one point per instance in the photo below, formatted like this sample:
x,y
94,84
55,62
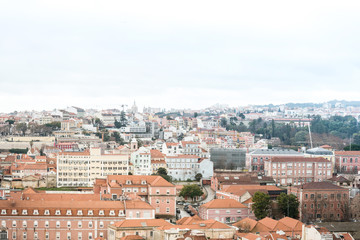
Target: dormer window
x,y
128,182
90,212
36,212
143,182
68,212
3,211
101,212
79,212
57,212
24,212
121,213
14,212
112,213
47,212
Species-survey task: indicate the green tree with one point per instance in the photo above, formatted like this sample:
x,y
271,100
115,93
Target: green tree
x,y
163,173
118,138
54,125
196,114
242,116
223,122
22,127
354,147
289,205
192,191
198,177
123,120
117,123
301,137
261,205
10,121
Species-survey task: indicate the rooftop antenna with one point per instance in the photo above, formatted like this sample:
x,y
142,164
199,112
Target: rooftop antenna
x,y
311,143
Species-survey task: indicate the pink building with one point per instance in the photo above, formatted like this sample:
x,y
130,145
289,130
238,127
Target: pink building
x,y
298,170
39,215
347,161
155,190
224,210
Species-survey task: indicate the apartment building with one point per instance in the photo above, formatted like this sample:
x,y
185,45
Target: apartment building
x,y
76,169
155,190
322,201
183,167
298,170
225,210
255,160
347,161
157,160
141,160
40,215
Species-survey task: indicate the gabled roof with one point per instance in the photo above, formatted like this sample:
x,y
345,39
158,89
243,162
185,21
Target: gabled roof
x,y
269,222
188,220
320,186
223,203
152,180
142,223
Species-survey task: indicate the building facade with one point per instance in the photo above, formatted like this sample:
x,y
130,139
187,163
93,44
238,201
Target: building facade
x,y
298,170
76,169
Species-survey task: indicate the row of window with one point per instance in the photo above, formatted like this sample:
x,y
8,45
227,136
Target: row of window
x,y
325,196
58,212
46,224
344,160
57,234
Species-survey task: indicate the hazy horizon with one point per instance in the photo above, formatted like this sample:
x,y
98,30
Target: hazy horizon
x,y
186,54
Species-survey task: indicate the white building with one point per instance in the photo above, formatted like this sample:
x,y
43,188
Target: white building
x,y
82,168
182,167
141,160
206,168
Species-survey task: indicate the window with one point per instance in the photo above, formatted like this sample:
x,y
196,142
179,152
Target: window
x,y
312,196
47,235
167,210
14,223
14,212
46,224
35,235
68,212
167,192
14,235
79,224
90,236
36,224
227,211
306,196
68,235
157,201
57,224
79,212
57,235
90,224
24,224
112,213
69,224
24,212
47,212
157,191
101,225
3,224
24,235
101,212
3,212
101,234
36,212
57,212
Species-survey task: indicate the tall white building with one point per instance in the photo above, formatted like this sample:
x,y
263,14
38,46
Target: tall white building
x,y
76,169
141,160
182,167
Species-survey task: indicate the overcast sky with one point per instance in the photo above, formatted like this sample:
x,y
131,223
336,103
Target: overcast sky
x,y
181,54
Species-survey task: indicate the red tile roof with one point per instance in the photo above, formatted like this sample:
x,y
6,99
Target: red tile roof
x,y
223,203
